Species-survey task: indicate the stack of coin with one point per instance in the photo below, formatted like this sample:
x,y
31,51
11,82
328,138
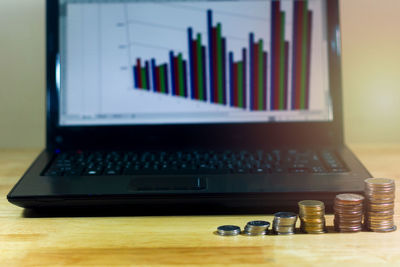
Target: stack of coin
x,y
256,228
380,193
228,230
312,216
348,210
284,223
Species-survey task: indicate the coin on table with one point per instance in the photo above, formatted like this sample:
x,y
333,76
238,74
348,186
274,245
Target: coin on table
x,y
228,230
284,223
312,216
256,228
380,195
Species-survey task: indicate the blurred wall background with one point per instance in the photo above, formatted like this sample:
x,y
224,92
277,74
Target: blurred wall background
x,y
371,71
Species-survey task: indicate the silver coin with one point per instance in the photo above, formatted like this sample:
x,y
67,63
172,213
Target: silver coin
x,y
228,230
285,215
254,228
255,233
258,224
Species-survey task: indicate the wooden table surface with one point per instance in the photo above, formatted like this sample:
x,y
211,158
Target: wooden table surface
x,y
183,240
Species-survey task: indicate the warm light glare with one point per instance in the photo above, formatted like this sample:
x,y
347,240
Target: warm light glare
x,y
371,70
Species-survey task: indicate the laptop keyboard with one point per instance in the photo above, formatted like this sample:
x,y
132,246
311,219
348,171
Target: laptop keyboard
x,y
97,163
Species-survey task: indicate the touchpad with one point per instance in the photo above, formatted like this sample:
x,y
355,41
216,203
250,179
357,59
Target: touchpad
x,y
162,183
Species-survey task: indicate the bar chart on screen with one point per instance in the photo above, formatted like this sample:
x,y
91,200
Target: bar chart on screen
x,y
201,61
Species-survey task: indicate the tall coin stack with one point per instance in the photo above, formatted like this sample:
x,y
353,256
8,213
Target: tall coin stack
x,y
348,210
284,223
380,193
312,216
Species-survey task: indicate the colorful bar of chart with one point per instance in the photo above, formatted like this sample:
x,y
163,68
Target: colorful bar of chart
x,y
178,74
211,74
258,74
217,61
238,80
301,60
160,77
278,58
197,67
141,75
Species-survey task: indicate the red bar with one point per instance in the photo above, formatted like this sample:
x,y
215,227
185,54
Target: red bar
x,y
158,79
310,16
176,71
256,69
139,72
265,57
277,62
286,75
235,85
196,71
299,54
215,65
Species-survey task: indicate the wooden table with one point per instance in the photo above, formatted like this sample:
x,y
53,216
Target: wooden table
x,y
184,240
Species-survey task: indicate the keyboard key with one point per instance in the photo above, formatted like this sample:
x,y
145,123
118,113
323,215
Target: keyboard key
x,y
299,170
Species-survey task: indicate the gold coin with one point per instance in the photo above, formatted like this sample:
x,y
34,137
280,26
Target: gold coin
x,y
311,203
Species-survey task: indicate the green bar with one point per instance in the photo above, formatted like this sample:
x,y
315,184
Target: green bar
x,y
200,67
144,80
240,83
219,63
180,73
304,58
162,78
282,65
260,75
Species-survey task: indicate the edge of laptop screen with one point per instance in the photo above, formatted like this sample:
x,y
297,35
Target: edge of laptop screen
x,y
151,62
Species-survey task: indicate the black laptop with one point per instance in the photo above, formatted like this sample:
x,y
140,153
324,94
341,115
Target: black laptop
x,y
200,106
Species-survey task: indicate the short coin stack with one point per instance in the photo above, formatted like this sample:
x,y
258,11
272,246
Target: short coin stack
x,y
228,230
284,223
256,228
312,216
348,210
380,193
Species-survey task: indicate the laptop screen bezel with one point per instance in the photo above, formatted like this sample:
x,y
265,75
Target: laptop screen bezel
x,y
268,134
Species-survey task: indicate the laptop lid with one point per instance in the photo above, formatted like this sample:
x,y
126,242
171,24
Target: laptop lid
x,y
169,73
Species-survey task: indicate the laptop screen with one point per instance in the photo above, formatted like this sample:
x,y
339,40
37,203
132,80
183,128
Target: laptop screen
x,y
136,62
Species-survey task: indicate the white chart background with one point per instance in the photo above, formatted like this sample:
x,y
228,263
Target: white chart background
x,y
103,40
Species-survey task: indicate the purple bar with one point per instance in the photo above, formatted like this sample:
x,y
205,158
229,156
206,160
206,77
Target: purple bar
x,y
185,77
135,74
231,80
224,70
166,78
265,56
172,65
153,70
203,49
191,61
244,53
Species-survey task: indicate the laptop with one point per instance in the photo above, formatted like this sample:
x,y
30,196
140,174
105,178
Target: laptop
x,y
195,106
